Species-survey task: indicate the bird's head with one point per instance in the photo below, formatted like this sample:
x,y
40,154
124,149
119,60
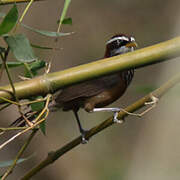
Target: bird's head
x,y
120,44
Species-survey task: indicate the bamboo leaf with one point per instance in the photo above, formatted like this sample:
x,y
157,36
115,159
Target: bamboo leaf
x,y
41,47
67,21
46,33
39,64
9,21
13,64
66,5
38,106
21,48
43,127
34,67
9,163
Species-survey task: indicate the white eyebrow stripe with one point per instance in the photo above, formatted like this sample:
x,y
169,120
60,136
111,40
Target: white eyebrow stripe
x,y
117,38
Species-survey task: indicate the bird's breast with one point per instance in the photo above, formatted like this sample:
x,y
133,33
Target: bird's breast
x,y
107,96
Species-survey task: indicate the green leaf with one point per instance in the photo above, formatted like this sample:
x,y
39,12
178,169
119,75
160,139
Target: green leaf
x,y
66,5
43,127
9,163
37,106
41,47
37,65
46,33
9,21
67,21
20,47
13,64
33,68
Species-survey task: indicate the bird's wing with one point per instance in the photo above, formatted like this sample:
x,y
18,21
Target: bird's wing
x,y
88,88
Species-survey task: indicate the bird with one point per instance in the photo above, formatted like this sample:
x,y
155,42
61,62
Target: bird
x,y
93,95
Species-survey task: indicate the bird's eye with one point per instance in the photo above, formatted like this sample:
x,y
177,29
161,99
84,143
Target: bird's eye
x,y
117,42
132,39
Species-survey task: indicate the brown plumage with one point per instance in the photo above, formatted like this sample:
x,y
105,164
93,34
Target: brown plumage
x,y
99,92
77,96
102,91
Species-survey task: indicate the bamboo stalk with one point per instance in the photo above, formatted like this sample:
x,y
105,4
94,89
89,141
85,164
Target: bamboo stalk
x,y
49,83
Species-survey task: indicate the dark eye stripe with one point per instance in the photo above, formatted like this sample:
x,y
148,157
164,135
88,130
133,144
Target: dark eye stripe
x,y
117,44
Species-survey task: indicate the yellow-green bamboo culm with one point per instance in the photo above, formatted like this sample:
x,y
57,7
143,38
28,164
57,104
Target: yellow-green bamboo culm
x,y
49,83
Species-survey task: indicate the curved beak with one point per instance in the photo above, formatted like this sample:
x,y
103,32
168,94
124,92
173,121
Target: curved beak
x,y
131,44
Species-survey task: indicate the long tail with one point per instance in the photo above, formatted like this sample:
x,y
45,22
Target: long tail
x,y
20,122
30,115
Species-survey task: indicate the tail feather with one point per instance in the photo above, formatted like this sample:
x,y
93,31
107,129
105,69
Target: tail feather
x,y
20,122
31,115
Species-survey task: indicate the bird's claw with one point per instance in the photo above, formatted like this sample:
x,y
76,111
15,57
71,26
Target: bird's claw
x,y
115,112
154,100
84,140
83,137
115,118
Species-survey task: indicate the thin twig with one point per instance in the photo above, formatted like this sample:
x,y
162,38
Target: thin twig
x,y
5,106
24,103
21,151
12,128
45,110
4,59
5,2
29,70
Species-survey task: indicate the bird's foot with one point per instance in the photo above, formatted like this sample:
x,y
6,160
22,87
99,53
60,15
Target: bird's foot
x,y
154,100
115,118
153,103
114,110
83,136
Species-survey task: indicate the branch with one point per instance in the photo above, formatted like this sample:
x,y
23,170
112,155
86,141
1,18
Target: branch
x,y
23,148
53,156
49,83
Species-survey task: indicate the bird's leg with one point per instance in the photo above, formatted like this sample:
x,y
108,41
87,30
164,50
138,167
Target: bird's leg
x,y
114,110
82,131
153,103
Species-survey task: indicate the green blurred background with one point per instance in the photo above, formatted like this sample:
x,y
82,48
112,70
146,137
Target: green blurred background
x,y
141,149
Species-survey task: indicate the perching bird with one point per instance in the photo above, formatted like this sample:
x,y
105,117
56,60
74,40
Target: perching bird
x,y
94,94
